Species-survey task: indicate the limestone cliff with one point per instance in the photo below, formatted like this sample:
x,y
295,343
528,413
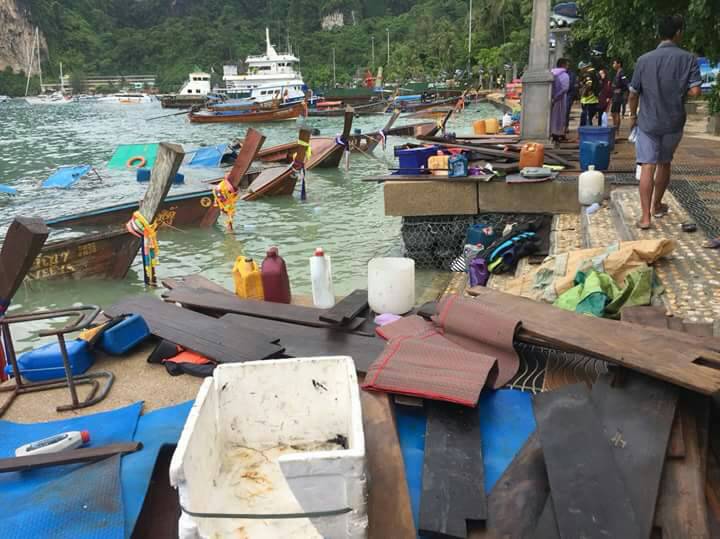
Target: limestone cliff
x,y
16,36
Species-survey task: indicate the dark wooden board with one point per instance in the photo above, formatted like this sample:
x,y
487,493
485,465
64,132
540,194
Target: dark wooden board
x,y
203,334
668,355
224,304
453,490
23,241
681,509
194,280
712,495
589,496
389,509
637,416
347,308
517,499
676,447
304,341
74,456
547,527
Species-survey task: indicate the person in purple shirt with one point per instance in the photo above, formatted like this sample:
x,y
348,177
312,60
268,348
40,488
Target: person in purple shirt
x,y
560,88
662,80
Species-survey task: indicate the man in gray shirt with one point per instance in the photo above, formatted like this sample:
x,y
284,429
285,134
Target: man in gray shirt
x,y
661,81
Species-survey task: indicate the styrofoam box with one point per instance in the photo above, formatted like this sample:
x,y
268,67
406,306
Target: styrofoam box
x,y
274,437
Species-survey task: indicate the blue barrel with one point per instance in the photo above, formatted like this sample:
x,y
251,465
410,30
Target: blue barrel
x,y
594,153
597,134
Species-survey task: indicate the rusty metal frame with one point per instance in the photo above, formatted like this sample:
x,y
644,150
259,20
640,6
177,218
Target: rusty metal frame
x,y
82,317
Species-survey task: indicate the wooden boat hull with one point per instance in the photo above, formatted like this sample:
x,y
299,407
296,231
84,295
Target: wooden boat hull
x,y
103,255
269,183
415,107
282,153
326,153
360,110
289,113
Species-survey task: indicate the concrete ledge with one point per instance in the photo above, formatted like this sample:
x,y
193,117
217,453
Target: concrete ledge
x,y
431,198
544,197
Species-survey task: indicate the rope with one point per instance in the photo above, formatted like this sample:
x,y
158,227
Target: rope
x,y
225,197
139,227
270,516
299,167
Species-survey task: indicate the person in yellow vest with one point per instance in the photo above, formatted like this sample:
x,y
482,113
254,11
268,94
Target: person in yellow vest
x,y
589,90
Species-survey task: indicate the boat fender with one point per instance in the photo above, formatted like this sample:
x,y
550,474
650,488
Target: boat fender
x,y
136,162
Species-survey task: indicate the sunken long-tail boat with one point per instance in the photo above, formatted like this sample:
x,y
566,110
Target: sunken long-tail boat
x,y
328,151
415,106
278,181
253,115
109,254
367,142
194,209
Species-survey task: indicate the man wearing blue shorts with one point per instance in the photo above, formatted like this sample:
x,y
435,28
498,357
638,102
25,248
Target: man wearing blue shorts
x,y
662,80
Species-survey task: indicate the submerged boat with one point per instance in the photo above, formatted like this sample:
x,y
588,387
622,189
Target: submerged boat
x,y
324,109
252,115
108,254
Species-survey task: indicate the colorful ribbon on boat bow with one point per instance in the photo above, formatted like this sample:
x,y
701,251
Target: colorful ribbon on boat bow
x,y
300,167
225,196
139,227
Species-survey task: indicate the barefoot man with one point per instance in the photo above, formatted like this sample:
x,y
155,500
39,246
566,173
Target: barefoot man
x,y
663,78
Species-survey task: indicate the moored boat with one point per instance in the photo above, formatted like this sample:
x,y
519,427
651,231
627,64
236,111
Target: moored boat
x,y
250,116
326,109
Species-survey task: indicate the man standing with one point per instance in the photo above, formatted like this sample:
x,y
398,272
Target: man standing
x,y
620,86
589,91
561,85
662,80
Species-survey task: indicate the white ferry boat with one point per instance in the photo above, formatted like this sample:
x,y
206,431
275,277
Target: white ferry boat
x,y
269,76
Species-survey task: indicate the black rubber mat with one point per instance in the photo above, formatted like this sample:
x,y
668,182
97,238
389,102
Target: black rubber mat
x,y
698,201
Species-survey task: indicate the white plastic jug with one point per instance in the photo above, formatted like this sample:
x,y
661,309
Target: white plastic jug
x,y
604,119
321,278
391,285
591,186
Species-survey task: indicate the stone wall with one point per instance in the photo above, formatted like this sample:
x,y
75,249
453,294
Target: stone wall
x,y
16,36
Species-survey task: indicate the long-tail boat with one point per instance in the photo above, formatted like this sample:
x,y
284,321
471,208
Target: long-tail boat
x,y
250,116
277,181
415,106
182,210
108,254
367,142
328,109
328,151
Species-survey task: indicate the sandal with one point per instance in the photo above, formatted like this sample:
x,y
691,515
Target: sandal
x,y
712,244
641,226
664,209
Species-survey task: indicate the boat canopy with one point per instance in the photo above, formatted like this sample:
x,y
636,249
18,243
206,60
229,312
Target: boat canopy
x,y
6,189
208,156
66,176
125,152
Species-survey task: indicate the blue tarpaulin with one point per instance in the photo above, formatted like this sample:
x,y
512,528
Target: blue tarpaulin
x,y
208,156
40,492
66,176
7,189
506,422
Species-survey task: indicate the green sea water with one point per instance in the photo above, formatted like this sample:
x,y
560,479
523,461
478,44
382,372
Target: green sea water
x,y
342,214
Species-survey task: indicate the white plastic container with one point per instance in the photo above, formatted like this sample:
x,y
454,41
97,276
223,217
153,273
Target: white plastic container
x,y
323,291
274,437
591,186
391,285
54,444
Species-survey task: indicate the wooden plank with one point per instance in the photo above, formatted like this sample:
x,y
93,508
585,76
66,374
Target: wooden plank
x,y
195,280
168,161
347,308
637,416
589,496
645,315
304,341
453,490
681,509
518,498
676,447
23,241
547,527
712,495
74,456
251,145
674,357
203,334
389,509
222,303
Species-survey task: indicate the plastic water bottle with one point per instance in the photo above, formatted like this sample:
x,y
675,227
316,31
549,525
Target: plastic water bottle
x,y
604,119
632,137
321,277
54,444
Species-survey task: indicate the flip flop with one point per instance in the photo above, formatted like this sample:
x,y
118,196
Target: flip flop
x,y
712,244
664,209
642,226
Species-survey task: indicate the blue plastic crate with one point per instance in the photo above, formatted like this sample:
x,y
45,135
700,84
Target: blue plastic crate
x,y
594,153
414,160
124,336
